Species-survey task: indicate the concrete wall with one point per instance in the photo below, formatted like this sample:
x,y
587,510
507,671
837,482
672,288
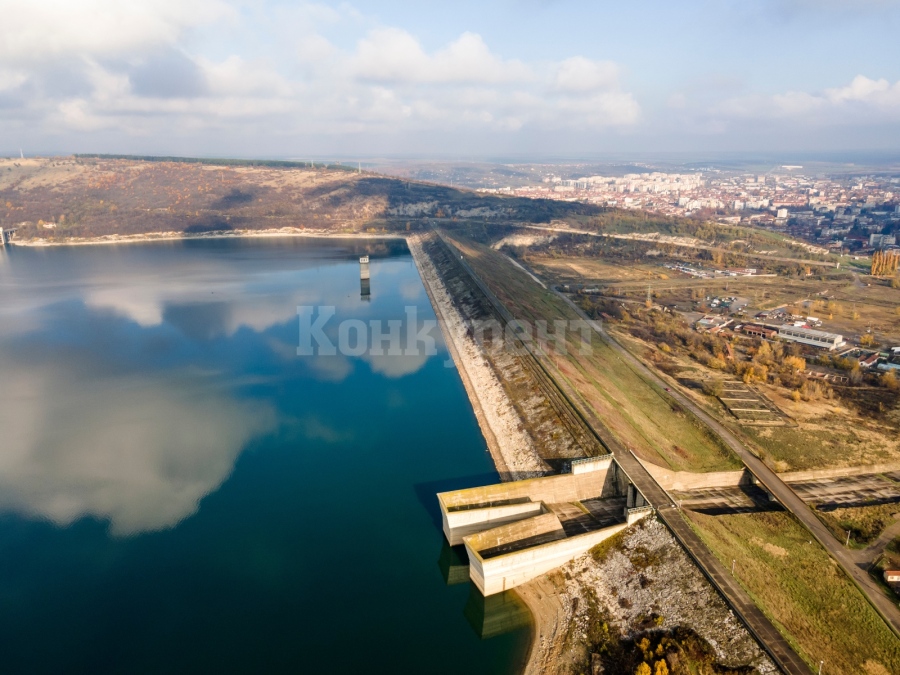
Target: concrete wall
x,y
458,524
505,534
685,480
591,464
508,571
818,474
550,489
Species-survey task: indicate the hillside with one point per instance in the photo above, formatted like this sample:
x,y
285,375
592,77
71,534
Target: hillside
x,y
79,197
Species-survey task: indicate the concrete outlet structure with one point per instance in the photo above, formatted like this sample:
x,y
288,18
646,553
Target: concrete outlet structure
x,y
516,531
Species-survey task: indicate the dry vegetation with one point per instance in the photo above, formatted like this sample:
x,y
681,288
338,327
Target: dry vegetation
x,y
850,303
836,425
638,413
81,197
796,583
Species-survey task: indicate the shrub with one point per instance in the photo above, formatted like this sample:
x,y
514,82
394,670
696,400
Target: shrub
x,y
867,340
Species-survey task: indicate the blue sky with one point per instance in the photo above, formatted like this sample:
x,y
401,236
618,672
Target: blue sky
x,y
513,77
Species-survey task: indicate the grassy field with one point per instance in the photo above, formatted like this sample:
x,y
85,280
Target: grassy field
x,y
864,522
817,445
634,410
796,583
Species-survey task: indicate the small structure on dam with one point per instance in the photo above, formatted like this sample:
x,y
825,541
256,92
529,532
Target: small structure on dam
x,y
6,234
365,292
516,531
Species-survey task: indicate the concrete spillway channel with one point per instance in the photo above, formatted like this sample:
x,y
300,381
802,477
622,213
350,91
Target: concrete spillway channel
x,y
516,531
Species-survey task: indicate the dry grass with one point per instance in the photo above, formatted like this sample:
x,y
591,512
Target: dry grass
x,y
802,590
637,412
849,304
594,270
831,442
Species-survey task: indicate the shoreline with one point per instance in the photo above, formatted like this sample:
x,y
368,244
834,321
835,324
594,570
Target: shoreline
x,y
497,418
547,613
109,239
510,446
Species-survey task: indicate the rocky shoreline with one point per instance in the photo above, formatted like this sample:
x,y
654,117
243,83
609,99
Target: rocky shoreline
x,y
510,446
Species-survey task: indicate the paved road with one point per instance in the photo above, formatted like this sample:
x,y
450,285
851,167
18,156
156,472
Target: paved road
x,y
770,480
865,557
760,626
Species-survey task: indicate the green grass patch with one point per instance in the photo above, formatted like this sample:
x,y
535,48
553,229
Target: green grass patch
x,y
865,523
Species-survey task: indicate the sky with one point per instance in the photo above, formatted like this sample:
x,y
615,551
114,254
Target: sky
x,y
463,79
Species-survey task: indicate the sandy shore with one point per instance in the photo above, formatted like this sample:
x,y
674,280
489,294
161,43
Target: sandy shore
x,y
230,234
550,617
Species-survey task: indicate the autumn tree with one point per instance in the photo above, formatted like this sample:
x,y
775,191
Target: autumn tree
x,y
884,263
642,669
795,362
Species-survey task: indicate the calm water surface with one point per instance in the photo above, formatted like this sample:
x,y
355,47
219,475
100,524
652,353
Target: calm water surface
x,y
181,493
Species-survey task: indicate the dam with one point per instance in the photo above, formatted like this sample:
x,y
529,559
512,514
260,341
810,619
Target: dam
x,y
516,531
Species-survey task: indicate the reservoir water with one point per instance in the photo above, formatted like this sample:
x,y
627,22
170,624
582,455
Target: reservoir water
x,y
180,492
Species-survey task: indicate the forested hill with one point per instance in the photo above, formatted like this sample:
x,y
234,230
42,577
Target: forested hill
x,y
81,196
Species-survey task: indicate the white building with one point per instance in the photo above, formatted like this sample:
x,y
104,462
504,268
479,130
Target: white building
x,y
808,336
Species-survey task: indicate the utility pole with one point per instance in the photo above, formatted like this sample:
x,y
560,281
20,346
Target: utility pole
x,y
733,561
848,539
820,667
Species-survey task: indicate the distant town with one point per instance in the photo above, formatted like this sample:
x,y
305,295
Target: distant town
x,y
853,214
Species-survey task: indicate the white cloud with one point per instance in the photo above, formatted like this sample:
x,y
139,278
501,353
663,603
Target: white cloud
x,y
42,30
236,77
139,75
877,92
863,99
579,74
393,55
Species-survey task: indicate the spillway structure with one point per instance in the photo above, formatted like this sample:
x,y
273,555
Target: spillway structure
x,y
516,531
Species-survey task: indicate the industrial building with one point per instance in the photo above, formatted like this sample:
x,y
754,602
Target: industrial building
x,y
754,330
808,336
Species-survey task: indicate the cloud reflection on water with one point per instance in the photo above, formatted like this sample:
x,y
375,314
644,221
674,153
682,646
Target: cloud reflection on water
x,y
138,450
115,400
